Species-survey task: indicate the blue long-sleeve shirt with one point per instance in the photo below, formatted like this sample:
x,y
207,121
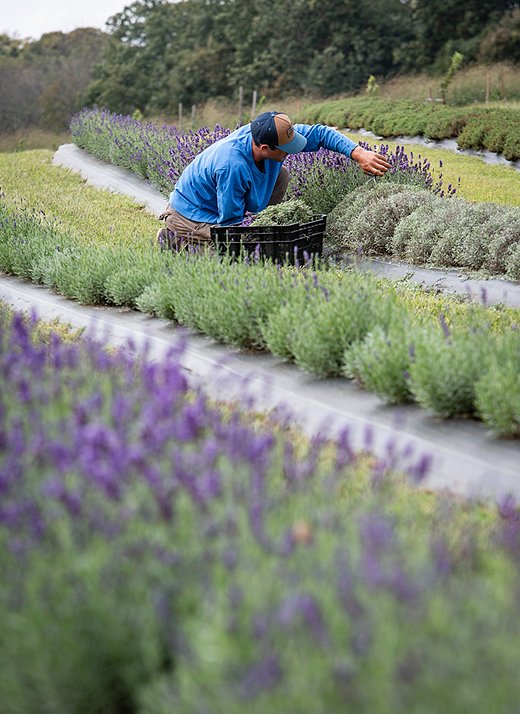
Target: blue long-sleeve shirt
x,y
223,181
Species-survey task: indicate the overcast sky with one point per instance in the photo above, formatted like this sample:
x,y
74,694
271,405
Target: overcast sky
x,y
31,18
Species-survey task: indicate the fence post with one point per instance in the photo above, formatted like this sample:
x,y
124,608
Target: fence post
x,y
253,105
240,103
487,87
193,110
180,116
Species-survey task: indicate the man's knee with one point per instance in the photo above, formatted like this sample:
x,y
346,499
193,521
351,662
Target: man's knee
x,y
280,187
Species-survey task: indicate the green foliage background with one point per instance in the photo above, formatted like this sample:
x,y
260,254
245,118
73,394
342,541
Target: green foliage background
x,y
157,53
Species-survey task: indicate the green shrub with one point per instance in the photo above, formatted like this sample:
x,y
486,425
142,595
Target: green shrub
x,y
25,236
473,127
416,235
473,134
335,318
326,187
338,236
457,233
511,148
228,300
504,238
497,393
381,361
126,285
56,270
82,274
156,299
372,229
496,138
513,264
445,367
135,274
471,233
279,327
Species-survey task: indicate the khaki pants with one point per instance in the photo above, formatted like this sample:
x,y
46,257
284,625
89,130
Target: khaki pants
x,y
182,232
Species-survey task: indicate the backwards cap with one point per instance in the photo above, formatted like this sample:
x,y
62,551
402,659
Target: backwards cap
x,y
276,129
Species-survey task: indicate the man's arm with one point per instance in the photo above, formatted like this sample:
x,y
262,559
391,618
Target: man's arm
x,y
320,136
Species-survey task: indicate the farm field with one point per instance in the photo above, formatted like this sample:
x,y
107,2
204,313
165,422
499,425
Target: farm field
x,y
260,459
125,268
214,561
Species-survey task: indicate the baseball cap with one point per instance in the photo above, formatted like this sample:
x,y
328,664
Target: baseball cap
x,y
276,129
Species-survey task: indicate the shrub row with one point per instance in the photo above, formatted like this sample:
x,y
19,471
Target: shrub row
x,y
476,128
313,317
161,555
414,225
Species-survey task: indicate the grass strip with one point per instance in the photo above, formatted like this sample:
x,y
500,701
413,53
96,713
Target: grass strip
x,y
473,179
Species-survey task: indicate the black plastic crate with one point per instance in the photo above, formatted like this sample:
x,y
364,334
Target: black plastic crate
x,y
290,243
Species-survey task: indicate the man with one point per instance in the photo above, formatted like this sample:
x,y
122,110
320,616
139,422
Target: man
x,y
243,173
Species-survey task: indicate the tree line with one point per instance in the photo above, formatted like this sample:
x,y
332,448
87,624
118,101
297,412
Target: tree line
x,y
159,53
42,82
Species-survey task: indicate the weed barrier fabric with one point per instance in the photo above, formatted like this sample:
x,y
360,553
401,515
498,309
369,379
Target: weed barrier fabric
x,y
463,456
103,175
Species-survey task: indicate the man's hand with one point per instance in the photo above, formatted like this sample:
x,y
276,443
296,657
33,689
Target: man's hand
x,y
370,162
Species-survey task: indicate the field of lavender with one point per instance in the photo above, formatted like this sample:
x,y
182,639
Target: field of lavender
x,y
402,216
330,322
191,558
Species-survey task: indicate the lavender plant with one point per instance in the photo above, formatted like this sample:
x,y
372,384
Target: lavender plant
x,y
371,230
417,235
381,361
446,365
307,314
458,233
504,239
159,554
287,212
25,236
280,327
339,222
497,393
334,318
513,263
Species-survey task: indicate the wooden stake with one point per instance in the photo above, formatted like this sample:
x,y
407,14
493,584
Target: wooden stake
x,y
240,103
253,105
180,116
488,82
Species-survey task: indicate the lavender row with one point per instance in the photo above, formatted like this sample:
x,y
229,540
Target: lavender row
x,y
159,154
161,554
330,323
